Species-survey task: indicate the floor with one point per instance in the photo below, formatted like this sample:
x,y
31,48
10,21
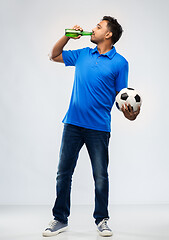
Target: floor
x,y
128,222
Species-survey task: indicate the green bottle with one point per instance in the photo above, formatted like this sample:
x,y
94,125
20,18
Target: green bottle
x,y
76,33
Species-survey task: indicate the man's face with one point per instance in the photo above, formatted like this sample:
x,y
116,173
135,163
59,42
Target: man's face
x,y
99,32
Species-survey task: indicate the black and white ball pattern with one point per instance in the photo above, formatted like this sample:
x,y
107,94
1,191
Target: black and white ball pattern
x,y
129,96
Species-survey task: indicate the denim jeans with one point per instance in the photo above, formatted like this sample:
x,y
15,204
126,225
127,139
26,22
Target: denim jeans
x,y
96,142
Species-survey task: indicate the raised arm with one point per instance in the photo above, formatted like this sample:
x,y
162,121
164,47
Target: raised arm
x,y
56,53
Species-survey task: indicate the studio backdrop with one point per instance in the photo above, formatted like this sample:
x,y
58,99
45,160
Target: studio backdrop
x,y
35,94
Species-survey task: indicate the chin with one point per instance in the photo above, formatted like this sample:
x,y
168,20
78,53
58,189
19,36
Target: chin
x,y
93,41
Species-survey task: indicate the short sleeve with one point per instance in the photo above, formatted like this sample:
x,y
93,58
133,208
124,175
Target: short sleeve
x,y
122,77
70,56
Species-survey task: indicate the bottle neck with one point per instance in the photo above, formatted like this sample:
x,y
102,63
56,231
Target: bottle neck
x,y
86,33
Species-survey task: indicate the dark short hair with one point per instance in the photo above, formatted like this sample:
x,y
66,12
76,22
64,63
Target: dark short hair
x,y
114,27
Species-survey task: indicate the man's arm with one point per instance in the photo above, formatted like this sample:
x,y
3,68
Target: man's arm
x,y
56,53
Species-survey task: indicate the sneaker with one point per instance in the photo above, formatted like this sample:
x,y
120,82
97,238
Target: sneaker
x,y
54,228
103,229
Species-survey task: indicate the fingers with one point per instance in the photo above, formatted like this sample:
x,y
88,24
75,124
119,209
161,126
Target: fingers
x,y
137,112
130,108
124,107
128,111
76,37
77,27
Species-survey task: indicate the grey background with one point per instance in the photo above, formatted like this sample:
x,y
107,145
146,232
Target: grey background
x,y
35,93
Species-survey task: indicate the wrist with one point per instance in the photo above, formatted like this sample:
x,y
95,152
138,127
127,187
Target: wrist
x,y
67,37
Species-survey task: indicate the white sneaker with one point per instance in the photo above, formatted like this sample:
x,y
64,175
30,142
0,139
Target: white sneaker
x,y
103,229
54,228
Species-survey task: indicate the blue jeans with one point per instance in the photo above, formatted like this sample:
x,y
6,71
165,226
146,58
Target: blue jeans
x,y
97,142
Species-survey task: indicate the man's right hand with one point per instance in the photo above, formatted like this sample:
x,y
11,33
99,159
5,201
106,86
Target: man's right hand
x,y
76,27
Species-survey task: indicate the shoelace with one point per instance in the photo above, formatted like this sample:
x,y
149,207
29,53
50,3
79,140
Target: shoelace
x,y
104,224
53,223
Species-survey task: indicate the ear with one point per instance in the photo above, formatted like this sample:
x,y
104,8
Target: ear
x,y
109,35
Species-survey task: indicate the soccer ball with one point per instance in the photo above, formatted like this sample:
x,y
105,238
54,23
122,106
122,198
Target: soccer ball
x,y
129,96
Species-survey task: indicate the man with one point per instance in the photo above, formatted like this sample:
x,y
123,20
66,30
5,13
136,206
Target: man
x,y
99,75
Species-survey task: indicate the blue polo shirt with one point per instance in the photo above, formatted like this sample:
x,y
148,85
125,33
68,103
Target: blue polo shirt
x,y
97,78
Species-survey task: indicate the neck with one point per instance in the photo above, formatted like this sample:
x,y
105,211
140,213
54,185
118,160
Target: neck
x,y
104,48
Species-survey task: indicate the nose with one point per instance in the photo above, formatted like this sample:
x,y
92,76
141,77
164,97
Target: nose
x,y
93,30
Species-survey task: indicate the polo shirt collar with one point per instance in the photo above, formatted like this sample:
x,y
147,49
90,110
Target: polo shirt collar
x,y
109,54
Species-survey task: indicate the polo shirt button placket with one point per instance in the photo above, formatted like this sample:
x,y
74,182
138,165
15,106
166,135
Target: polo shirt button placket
x,y
97,59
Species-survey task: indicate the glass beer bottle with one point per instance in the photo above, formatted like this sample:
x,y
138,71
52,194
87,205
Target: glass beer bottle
x,y
76,33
